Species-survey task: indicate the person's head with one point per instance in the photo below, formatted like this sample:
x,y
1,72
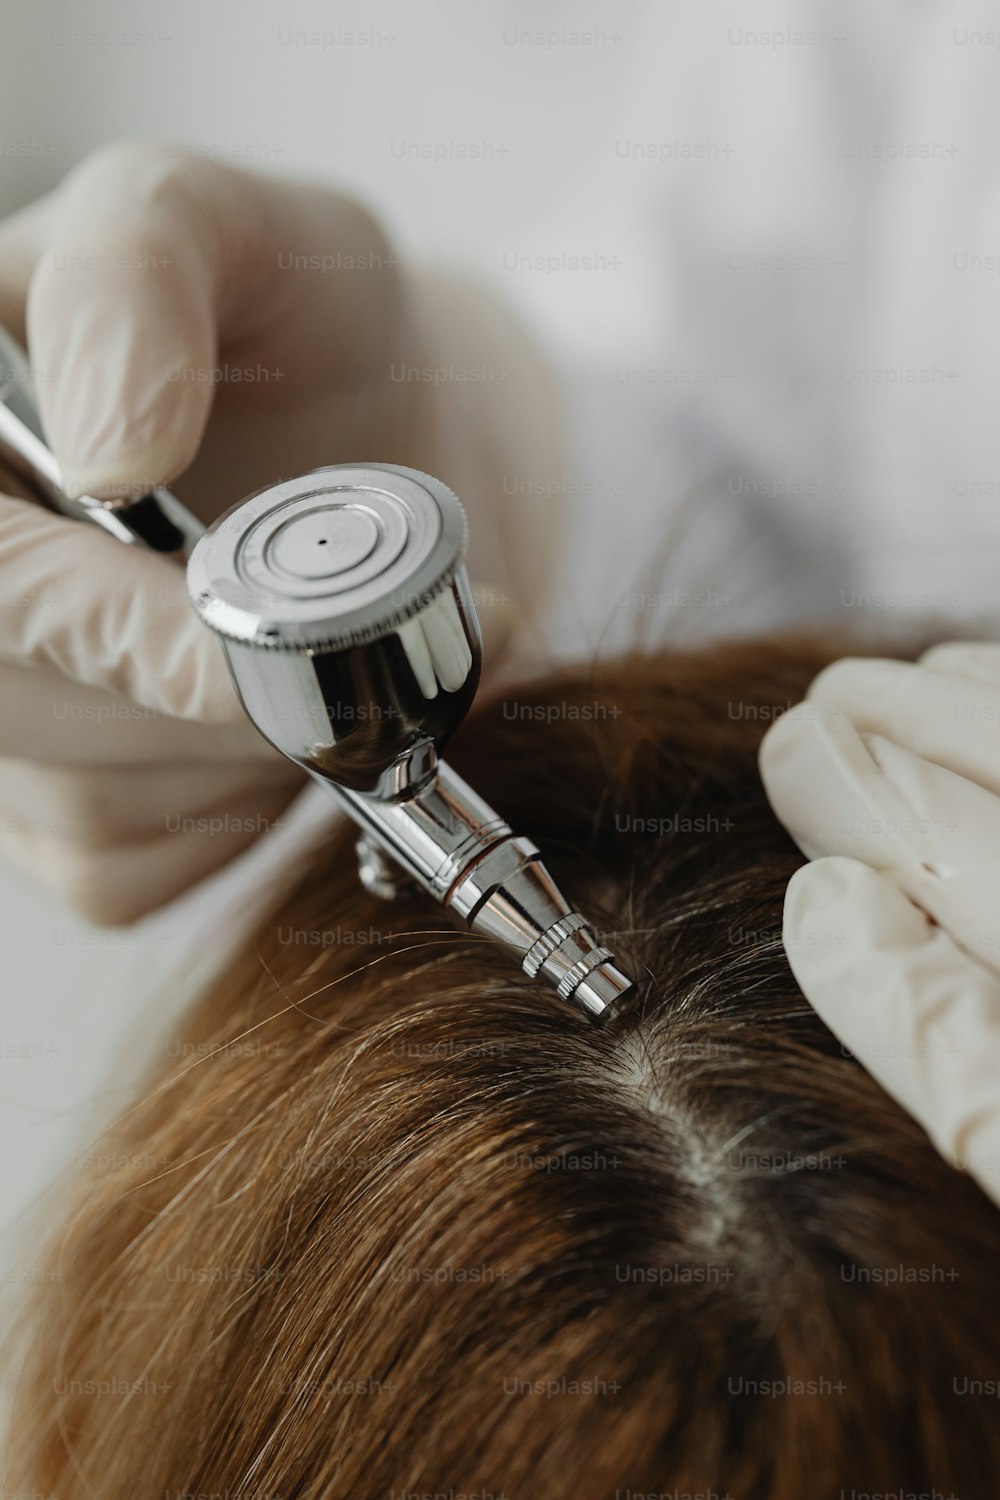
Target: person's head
x,y
400,1222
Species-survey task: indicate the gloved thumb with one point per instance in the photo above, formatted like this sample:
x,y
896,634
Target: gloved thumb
x,y
917,1011
124,276
121,330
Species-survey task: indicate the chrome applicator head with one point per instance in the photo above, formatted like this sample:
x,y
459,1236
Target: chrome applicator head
x,y
343,604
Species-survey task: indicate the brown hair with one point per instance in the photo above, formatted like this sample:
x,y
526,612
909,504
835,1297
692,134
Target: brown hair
x,y
413,1227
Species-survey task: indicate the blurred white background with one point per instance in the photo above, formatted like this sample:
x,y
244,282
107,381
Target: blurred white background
x,y
339,90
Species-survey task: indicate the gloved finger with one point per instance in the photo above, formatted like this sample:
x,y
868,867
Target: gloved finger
x,y
838,791
117,883
921,1016
110,616
98,807
50,720
948,717
979,660
151,259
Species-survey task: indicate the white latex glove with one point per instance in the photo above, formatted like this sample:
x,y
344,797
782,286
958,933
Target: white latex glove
x,y
888,778
184,318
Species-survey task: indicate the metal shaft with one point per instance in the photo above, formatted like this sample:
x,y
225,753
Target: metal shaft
x,y
455,847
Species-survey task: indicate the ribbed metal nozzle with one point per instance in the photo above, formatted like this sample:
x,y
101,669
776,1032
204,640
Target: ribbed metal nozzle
x,y
570,958
509,895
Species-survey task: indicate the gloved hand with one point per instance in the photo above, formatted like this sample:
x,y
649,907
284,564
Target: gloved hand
x,y
184,318
888,778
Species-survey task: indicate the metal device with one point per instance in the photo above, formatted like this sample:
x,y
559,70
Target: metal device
x,y
343,605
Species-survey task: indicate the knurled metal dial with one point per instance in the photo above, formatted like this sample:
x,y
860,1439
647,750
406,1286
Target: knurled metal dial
x,y
331,559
